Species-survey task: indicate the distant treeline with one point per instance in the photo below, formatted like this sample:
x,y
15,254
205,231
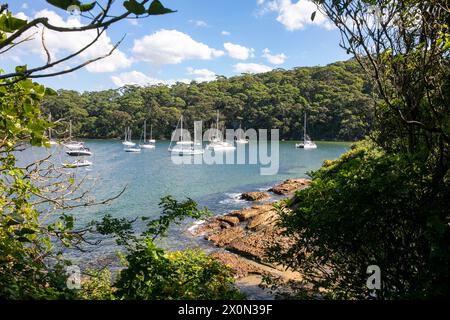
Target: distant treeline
x,y
336,98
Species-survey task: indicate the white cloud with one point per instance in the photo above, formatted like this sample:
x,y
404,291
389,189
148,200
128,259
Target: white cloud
x,y
138,78
199,23
297,15
202,75
225,33
274,58
133,22
251,68
172,47
24,6
60,44
237,51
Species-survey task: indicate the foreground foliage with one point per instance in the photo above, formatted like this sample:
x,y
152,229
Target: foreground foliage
x,y
371,208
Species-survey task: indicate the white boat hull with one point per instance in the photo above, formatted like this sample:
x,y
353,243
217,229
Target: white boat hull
x,y
147,146
135,150
74,145
128,143
77,164
78,153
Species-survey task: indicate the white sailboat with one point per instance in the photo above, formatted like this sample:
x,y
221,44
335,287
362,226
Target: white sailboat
x,y
150,144
185,147
71,144
241,139
307,142
127,140
131,147
217,143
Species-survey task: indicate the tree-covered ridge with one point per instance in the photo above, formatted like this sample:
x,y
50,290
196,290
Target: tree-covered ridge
x,y
336,97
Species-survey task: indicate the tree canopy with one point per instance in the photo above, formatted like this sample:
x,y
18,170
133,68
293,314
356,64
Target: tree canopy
x,y
337,99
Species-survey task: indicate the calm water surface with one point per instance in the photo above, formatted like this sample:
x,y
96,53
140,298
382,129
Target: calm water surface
x,y
150,175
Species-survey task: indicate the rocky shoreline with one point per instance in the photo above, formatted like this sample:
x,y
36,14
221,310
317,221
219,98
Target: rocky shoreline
x,y
242,237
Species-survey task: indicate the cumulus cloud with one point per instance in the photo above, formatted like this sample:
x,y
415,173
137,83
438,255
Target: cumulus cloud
x,y
225,33
295,15
60,44
199,23
251,68
138,78
202,75
274,58
172,47
237,51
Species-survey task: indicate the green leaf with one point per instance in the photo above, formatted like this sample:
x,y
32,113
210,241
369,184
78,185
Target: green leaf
x,y
50,92
87,6
446,46
21,68
134,7
313,15
9,23
157,8
63,4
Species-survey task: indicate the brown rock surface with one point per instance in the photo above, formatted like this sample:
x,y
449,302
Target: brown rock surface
x,y
225,236
239,266
263,220
248,213
255,196
232,220
290,185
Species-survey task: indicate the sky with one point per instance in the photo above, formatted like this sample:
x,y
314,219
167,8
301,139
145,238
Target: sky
x,y
204,38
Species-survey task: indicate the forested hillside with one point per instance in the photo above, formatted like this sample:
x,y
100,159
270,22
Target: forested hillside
x,y
336,98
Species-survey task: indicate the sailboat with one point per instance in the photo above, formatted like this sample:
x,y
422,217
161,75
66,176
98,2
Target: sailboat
x,y
127,140
217,143
73,144
131,147
150,144
241,139
185,147
307,142
51,141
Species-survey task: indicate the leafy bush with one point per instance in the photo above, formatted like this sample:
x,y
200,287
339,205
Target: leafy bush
x,y
371,208
191,274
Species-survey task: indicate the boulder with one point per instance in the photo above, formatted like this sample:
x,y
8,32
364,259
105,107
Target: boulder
x,y
255,196
248,213
290,185
264,220
224,236
240,267
231,220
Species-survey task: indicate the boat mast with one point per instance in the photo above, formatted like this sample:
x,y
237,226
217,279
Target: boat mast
x,y
145,130
181,128
304,130
217,125
70,130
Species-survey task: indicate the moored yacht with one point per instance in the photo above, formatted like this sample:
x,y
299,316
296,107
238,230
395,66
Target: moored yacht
x,y
185,147
218,143
307,142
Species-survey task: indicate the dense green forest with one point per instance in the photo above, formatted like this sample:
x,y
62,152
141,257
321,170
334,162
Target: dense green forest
x,y
337,99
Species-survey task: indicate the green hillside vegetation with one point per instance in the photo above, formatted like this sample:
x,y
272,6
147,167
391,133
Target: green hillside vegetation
x,y
337,99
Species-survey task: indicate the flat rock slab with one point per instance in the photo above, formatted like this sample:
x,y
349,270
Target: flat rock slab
x,y
290,185
255,196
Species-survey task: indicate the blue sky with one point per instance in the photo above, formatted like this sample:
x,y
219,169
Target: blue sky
x,y
202,39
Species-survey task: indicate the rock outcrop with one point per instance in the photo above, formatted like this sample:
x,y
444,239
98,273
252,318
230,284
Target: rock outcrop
x,y
255,196
289,186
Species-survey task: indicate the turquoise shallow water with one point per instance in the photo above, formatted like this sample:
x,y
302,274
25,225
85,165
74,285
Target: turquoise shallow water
x,y
150,175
